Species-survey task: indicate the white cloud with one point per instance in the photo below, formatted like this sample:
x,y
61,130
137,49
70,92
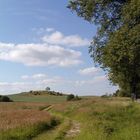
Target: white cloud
x,y
58,38
43,79
50,29
53,81
96,86
15,87
24,77
39,76
95,76
95,80
6,46
35,76
41,30
35,82
89,71
39,54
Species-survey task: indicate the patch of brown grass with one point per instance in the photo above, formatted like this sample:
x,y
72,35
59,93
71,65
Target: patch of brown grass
x,y
13,115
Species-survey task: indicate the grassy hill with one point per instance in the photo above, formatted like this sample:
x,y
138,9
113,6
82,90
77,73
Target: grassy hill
x,y
39,96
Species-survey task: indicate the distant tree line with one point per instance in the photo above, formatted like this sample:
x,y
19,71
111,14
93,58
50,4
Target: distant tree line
x,y
46,92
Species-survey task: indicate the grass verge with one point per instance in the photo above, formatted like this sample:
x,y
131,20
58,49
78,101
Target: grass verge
x,y
28,132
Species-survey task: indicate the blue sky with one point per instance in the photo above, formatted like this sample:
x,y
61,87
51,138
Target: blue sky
x,y
42,43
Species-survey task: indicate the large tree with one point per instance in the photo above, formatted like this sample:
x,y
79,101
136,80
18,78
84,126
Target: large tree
x,y
116,46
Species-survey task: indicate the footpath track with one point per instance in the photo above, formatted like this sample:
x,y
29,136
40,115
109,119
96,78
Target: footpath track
x,y
67,129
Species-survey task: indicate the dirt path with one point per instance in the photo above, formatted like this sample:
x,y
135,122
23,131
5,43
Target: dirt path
x,y
74,130
48,108
64,130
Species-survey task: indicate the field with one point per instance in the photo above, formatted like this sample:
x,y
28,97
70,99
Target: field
x,y
38,98
23,120
92,118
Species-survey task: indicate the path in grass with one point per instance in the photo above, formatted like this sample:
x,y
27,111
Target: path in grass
x,y
66,129
48,135
74,130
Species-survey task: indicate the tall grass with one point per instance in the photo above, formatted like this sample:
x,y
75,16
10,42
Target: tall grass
x,y
105,119
27,132
22,121
99,118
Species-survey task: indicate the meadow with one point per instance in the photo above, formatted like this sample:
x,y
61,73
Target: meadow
x,y
92,118
103,118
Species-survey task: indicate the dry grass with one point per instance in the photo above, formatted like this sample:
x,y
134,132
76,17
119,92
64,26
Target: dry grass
x,y
13,115
21,105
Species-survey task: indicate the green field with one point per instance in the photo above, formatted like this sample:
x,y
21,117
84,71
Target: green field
x,y
37,98
92,118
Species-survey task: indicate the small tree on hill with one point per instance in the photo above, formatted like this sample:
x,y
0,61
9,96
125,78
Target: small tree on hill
x,y
47,88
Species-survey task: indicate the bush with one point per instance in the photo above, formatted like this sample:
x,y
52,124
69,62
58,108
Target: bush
x,y
122,93
5,99
71,97
77,97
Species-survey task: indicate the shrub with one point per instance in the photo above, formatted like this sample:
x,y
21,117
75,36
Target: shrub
x,y
5,99
106,95
71,97
77,97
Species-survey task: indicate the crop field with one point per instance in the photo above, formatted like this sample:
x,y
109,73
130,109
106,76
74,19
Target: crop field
x,y
23,120
92,118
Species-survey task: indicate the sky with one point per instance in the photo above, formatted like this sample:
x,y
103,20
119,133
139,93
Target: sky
x,y
44,44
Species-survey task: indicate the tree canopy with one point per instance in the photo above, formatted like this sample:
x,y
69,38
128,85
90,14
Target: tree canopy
x,y
47,88
116,46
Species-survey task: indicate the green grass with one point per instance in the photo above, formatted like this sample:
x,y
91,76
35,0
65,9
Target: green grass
x,y
58,133
27,133
105,119
51,99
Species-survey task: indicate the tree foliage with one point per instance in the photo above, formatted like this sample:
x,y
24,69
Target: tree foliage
x,y
72,97
5,99
116,47
47,88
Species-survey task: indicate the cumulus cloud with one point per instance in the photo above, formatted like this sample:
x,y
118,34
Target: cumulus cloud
x,y
89,71
51,51
39,54
60,39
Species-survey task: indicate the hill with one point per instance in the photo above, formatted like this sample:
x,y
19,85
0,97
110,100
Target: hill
x,y
39,96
